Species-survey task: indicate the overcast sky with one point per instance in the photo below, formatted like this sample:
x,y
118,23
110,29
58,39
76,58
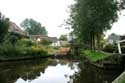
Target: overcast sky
x,y
51,14
119,26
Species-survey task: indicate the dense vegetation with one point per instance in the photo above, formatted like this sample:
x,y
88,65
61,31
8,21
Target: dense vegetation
x,y
22,48
14,45
4,25
91,18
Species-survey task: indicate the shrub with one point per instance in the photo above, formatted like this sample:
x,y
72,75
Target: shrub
x,y
38,50
7,49
25,42
111,48
123,49
45,42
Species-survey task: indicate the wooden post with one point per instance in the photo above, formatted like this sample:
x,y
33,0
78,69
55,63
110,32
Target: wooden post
x,y
119,48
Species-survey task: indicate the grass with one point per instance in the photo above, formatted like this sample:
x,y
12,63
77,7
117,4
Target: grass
x,y
94,56
123,81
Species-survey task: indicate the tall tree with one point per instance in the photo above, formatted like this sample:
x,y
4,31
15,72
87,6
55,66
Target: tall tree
x,y
4,25
33,27
90,18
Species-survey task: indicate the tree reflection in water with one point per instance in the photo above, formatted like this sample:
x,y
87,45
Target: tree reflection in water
x,y
27,70
90,74
53,70
33,69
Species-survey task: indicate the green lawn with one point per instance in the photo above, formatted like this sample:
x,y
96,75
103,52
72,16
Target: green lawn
x,y
94,56
123,81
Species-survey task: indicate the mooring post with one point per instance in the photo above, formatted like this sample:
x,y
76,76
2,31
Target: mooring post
x,y
119,48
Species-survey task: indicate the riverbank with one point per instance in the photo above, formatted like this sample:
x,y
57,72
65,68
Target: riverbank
x,y
120,78
94,56
21,58
106,61
103,60
2,59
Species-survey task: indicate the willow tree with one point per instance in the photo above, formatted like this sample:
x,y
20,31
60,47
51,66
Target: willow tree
x,y
90,18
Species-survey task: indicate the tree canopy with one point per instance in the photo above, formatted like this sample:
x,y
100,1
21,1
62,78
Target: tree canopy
x,y
63,37
4,25
33,27
91,18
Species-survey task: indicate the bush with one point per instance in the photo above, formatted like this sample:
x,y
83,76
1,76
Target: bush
x,y
22,49
123,49
45,42
111,48
25,42
7,49
38,50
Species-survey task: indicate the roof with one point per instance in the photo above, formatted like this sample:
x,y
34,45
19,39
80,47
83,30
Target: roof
x,y
114,37
53,39
16,29
35,37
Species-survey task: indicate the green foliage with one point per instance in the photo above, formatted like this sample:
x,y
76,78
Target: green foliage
x,y
11,38
25,42
7,49
63,37
94,56
4,25
111,48
123,81
33,27
22,48
45,42
38,50
90,18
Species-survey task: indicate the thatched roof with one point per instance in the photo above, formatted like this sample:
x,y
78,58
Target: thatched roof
x,y
16,29
35,37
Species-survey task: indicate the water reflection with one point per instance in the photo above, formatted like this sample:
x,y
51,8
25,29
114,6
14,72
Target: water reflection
x,y
38,71
90,74
53,71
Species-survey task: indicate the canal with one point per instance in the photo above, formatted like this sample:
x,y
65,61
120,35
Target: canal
x,y
54,71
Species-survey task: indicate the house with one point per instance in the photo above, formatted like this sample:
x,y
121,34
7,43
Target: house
x,y
38,38
54,40
113,38
13,28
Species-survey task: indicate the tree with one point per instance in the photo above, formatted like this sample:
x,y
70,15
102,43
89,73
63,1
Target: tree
x,y
90,18
63,37
4,25
33,27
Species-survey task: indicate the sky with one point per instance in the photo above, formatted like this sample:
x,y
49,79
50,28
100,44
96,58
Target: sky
x,y
50,13
119,26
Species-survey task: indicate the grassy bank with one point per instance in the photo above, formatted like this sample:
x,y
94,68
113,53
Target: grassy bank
x,y
94,56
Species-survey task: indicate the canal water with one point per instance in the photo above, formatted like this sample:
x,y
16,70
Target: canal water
x,y
54,71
